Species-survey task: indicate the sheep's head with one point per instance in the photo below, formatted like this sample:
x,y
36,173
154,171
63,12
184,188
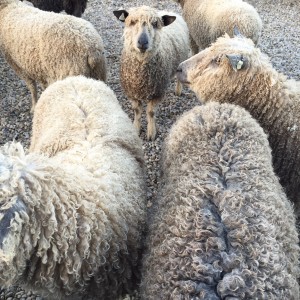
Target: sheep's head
x,y
13,216
223,70
181,2
142,28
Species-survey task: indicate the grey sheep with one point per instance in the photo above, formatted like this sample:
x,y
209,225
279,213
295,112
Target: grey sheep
x,y
233,70
223,227
72,209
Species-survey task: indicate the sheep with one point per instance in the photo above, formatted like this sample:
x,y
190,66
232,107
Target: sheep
x,y
155,42
232,70
44,46
223,227
71,7
209,19
73,208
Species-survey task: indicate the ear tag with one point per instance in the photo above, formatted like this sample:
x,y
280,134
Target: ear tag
x,y
239,64
122,17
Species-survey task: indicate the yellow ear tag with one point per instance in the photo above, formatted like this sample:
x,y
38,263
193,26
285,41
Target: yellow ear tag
x,y
239,64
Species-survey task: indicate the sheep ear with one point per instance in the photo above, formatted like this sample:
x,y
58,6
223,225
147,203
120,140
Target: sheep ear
x,y
236,32
237,62
167,20
121,14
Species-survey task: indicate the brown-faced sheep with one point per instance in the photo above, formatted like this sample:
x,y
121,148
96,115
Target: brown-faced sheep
x,y
44,46
224,228
233,70
209,19
71,7
154,42
72,210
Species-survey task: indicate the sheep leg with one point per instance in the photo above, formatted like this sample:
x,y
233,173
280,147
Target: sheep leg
x,y
194,46
178,88
33,90
137,108
31,84
151,128
43,85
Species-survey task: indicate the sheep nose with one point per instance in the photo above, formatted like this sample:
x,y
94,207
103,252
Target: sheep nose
x,y
181,74
143,42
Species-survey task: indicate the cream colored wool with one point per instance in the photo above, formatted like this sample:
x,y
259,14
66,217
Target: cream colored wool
x,y
269,96
43,47
209,19
73,208
223,227
146,76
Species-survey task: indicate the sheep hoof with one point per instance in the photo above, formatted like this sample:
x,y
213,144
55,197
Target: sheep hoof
x,y
137,127
151,136
178,88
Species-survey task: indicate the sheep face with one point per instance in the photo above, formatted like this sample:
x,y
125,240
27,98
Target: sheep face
x,y
142,28
221,71
13,215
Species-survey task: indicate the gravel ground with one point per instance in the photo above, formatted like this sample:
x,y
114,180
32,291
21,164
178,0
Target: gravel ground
x,y
280,40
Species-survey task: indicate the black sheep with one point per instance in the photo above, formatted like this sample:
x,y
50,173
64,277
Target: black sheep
x,y
71,7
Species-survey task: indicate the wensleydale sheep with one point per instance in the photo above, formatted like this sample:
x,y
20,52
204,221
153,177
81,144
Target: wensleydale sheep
x,y
224,228
73,208
44,46
71,7
209,19
155,42
233,70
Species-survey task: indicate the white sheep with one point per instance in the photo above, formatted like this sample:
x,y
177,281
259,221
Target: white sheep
x,y
223,227
44,46
233,70
72,210
154,43
209,19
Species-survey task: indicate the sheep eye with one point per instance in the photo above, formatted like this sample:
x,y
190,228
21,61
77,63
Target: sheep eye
x,y
217,60
155,24
132,23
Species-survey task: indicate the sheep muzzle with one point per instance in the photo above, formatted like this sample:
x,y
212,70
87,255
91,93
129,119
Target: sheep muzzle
x,y
182,74
143,42
8,217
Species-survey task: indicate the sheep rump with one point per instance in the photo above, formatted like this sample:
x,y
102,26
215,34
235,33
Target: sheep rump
x,y
76,202
44,46
223,227
209,19
234,71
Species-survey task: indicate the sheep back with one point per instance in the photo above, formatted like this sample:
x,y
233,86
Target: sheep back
x,y
84,195
49,46
209,19
146,77
223,227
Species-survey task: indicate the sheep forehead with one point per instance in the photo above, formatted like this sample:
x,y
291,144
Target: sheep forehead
x,y
142,14
234,45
